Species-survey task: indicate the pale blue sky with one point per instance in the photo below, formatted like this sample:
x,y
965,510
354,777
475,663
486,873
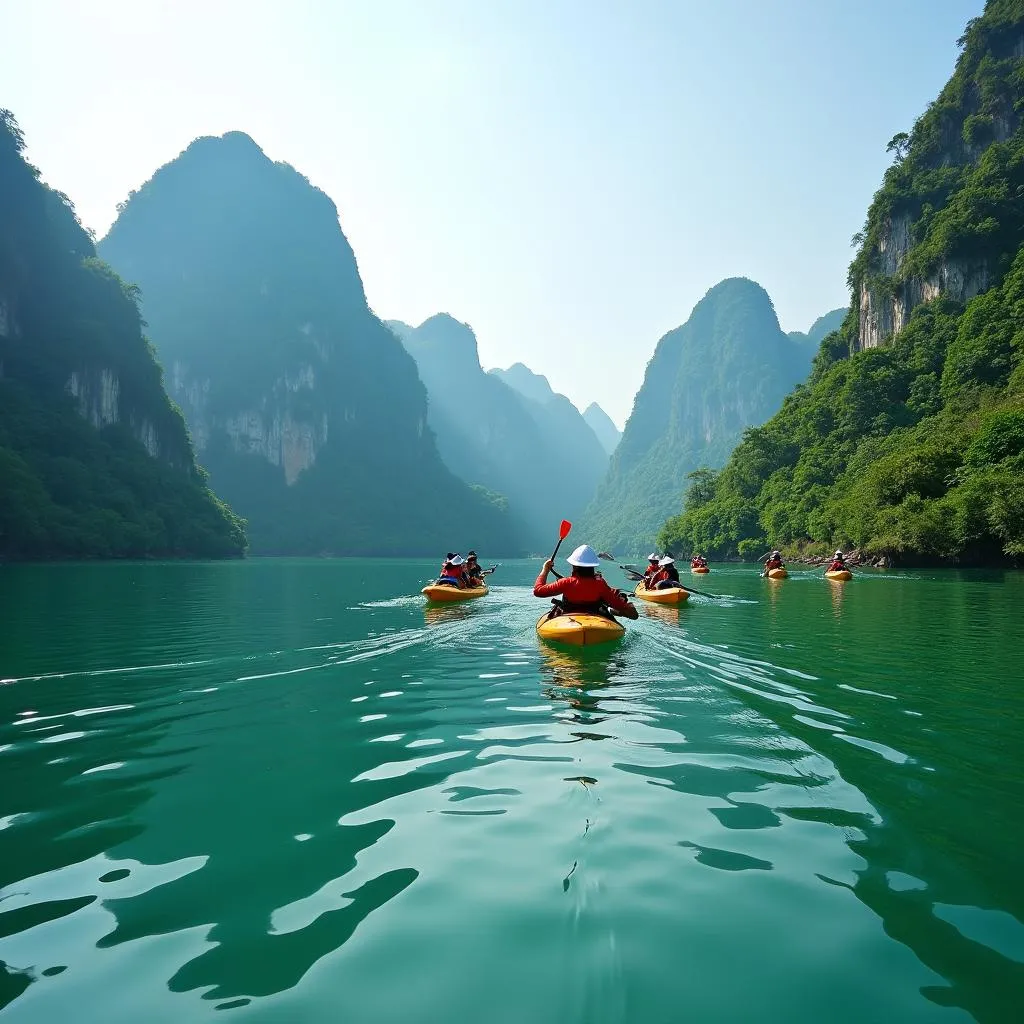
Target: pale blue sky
x,y
569,177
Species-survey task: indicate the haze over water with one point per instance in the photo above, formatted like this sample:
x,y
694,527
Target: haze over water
x,y
274,788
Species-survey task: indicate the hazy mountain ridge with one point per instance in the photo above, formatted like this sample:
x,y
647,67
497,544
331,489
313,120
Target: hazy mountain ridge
x,y
309,414
540,455
603,427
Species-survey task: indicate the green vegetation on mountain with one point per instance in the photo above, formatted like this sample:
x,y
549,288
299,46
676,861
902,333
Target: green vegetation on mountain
x,y
908,439
535,451
308,412
726,368
95,461
601,424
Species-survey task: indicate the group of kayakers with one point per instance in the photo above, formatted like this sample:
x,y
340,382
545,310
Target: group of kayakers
x,y
698,562
774,561
464,573
661,573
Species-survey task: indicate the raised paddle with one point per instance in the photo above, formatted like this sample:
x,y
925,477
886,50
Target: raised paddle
x,y
563,532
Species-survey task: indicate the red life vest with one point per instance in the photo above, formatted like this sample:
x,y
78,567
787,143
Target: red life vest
x,y
581,590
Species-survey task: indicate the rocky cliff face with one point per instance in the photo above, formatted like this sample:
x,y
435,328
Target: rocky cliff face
x,y
913,249
885,307
306,410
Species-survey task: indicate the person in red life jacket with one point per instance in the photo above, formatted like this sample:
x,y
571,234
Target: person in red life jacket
x,y
698,562
668,574
774,562
652,570
452,572
585,590
837,564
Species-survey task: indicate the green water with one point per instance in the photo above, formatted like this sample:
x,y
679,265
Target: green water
x,y
279,789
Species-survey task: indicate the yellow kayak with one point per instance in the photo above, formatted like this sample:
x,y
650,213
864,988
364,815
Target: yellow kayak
x,y
699,570
579,629
777,574
839,575
674,596
441,592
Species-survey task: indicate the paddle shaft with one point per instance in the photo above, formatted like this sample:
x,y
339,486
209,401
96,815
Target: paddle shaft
x,y
639,576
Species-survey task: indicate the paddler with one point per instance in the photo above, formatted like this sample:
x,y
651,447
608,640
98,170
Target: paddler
x,y
652,570
774,562
698,562
838,563
452,572
668,574
474,572
585,590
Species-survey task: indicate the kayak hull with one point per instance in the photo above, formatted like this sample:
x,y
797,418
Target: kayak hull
x,y
839,576
674,596
700,570
777,574
441,594
579,630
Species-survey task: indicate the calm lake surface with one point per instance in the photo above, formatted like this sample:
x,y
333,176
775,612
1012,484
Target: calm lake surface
x,y
279,789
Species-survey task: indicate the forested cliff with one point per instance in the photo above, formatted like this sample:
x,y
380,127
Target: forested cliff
x,y
908,439
307,411
726,368
95,461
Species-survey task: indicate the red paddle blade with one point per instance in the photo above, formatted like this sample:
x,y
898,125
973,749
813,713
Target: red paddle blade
x,y
564,530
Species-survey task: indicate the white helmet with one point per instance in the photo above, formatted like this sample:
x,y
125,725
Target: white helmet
x,y
838,554
585,557
667,560
653,556
457,560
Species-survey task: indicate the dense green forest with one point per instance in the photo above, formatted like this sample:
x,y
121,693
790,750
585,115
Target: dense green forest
x,y
95,461
726,368
908,439
505,430
307,411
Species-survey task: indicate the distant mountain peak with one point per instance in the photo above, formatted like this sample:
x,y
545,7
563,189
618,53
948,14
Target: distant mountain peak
x,y
603,426
521,378
447,337
727,368
294,392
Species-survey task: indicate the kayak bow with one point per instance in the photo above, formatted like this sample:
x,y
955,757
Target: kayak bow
x,y
674,595
441,593
840,575
777,574
579,629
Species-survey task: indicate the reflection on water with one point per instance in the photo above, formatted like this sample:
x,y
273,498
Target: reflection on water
x,y
837,591
669,613
268,788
